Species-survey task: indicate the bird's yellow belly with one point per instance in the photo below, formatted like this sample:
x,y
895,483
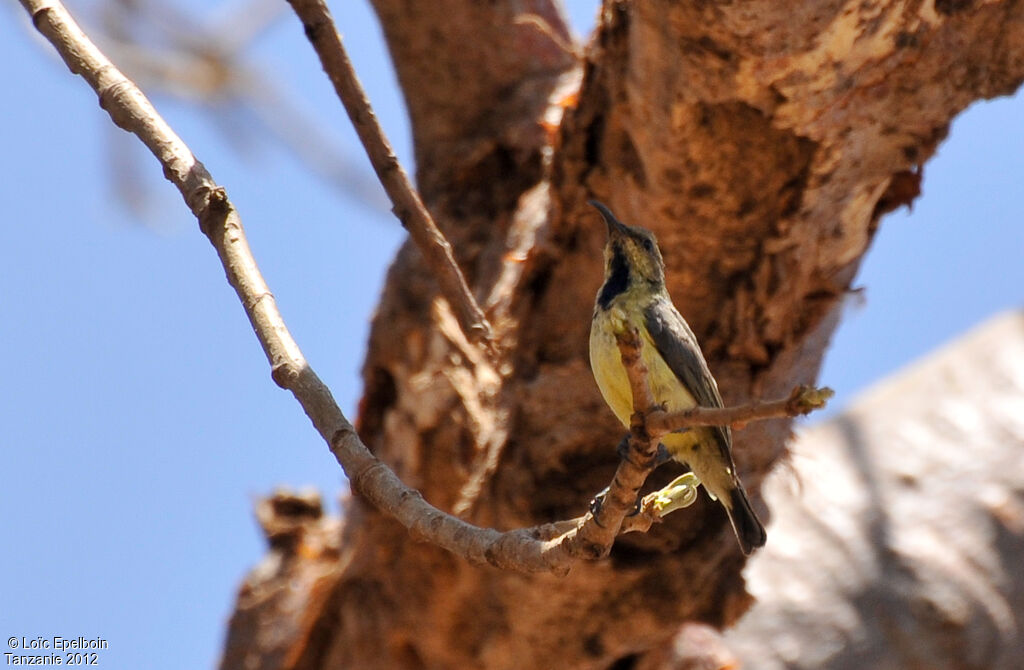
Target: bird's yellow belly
x,y
606,362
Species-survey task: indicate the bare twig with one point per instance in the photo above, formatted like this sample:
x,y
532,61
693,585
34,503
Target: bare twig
x,y
630,349
802,400
319,27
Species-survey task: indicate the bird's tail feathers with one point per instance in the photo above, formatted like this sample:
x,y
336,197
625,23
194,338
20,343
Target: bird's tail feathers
x,y
745,523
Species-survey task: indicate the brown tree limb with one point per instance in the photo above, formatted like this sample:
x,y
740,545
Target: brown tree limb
x,y
801,401
407,205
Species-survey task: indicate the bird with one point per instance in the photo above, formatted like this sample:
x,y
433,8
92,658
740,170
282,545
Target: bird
x,y
634,295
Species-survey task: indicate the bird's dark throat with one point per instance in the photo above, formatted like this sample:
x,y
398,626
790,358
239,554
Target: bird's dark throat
x,y
618,279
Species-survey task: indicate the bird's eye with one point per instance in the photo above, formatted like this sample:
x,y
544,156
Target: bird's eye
x,y
648,245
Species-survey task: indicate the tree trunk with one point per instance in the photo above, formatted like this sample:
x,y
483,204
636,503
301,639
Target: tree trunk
x,y
762,142
904,517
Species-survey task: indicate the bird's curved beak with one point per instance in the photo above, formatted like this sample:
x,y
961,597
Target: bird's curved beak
x,y
615,227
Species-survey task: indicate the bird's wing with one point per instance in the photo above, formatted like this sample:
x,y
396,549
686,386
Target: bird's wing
x,y
678,347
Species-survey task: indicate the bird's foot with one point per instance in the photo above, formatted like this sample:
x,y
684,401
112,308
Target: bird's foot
x,y
660,456
623,449
598,502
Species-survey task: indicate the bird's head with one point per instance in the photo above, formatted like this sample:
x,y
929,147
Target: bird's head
x,y
631,255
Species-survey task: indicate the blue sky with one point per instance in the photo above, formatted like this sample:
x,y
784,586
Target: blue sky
x,y
139,419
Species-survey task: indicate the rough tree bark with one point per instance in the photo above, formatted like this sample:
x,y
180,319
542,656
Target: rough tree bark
x,y
762,142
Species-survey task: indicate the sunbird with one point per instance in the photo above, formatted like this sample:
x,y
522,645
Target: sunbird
x,y
634,296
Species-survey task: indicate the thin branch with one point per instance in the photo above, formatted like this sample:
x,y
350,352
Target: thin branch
x,y
320,29
802,400
630,349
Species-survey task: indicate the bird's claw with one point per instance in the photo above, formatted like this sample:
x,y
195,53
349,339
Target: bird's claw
x,y
622,450
661,456
598,501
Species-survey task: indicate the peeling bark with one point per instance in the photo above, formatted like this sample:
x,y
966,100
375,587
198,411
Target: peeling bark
x,y
761,142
